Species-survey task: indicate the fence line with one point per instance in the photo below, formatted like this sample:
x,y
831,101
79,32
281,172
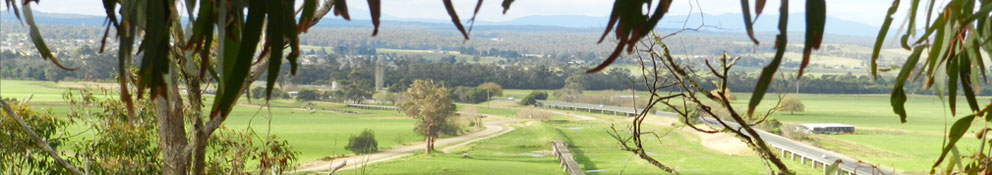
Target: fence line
x,y
565,158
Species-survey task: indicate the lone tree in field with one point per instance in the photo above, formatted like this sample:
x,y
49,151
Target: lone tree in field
x,y
493,89
431,106
792,104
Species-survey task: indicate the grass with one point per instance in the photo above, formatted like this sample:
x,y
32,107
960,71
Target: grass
x,y
881,138
527,151
42,91
323,133
313,134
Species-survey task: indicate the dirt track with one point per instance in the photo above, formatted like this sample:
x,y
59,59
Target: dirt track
x,y
493,128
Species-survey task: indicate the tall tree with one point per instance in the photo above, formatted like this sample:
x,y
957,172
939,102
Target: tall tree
x,y
431,106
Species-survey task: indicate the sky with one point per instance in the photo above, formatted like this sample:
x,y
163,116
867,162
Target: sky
x,y
871,12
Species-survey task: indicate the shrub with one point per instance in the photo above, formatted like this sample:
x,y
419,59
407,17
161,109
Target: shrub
x,y
540,95
530,99
468,94
259,92
771,125
308,95
364,143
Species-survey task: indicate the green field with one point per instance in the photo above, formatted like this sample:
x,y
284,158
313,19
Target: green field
x,y
880,137
527,151
313,134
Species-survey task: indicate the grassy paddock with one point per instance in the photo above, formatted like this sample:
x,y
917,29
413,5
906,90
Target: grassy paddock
x,y
881,138
527,150
315,134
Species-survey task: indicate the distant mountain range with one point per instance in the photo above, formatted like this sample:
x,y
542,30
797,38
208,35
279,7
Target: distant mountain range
x,y
732,23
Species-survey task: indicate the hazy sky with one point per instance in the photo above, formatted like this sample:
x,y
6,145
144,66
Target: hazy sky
x,y
869,12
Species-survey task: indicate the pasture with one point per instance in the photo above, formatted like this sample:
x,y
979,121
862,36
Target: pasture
x,y
313,133
527,150
319,130
880,137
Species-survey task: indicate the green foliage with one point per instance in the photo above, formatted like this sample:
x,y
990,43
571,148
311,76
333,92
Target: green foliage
x,y
771,125
354,92
259,92
385,97
363,143
791,104
954,39
469,94
125,147
492,88
55,74
232,150
540,95
576,82
957,131
432,107
309,95
19,152
531,99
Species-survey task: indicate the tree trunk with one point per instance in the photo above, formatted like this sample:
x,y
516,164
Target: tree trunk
x,y
199,151
427,143
172,136
429,138
199,136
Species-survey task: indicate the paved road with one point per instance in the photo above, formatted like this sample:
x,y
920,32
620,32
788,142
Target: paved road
x,y
493,128
808,151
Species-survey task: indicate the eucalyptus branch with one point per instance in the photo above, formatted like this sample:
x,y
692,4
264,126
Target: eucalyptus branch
x,y
39,141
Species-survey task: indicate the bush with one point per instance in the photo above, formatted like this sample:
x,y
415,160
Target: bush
x,y
771,125
540,95
468,94
364,143
308,95
259,92
530,99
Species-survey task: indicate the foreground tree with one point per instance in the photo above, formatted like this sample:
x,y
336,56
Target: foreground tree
x,y
431,106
